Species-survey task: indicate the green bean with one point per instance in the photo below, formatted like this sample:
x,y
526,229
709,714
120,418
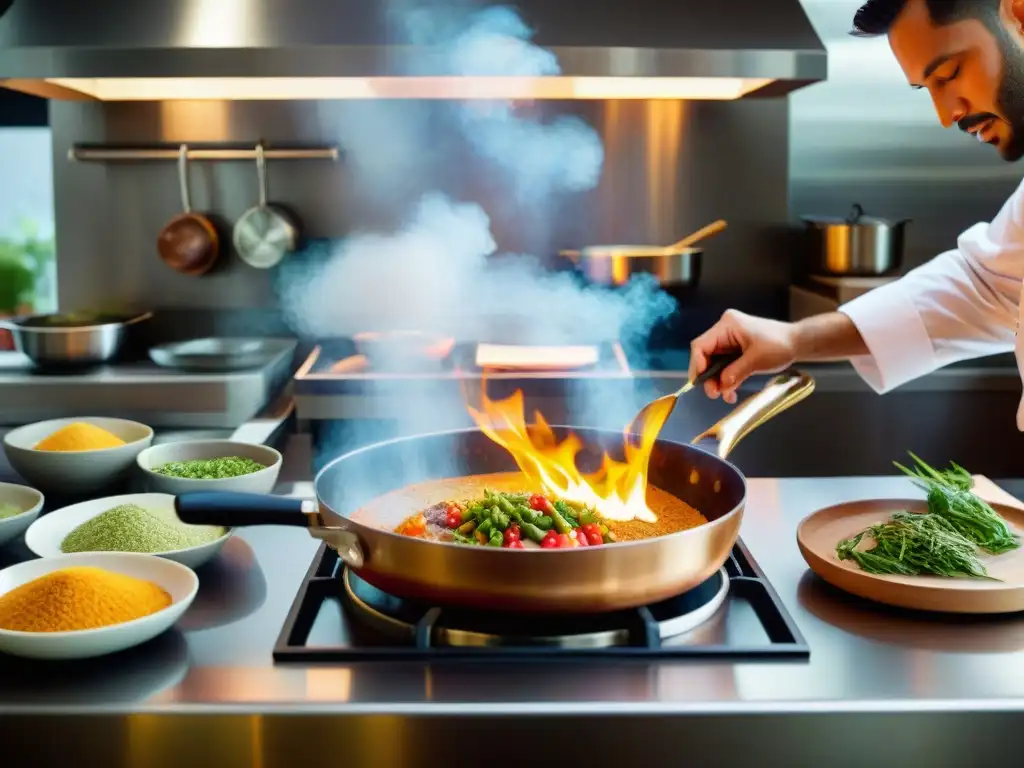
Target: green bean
x,y
499,520
529,514
587,517
458,538
485,527
610,538
561,524
496,538
467,527
505,505
532,532
544,522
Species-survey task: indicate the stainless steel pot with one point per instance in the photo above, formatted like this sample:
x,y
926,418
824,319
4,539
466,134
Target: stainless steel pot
x,y
614,265
71,340
855,246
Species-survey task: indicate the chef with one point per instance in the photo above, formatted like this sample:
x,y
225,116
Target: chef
x,y
964,303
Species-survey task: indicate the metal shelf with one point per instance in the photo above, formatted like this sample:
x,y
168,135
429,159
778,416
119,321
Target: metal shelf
x,y
98,153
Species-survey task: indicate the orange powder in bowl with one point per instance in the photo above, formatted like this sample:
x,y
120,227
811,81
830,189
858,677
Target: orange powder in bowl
x,y
79,436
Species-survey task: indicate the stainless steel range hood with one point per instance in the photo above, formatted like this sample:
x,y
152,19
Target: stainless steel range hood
x,y
323,49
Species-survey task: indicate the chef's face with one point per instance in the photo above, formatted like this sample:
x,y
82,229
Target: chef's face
x,y
975,77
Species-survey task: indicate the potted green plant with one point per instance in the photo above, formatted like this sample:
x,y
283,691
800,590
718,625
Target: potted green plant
x,y
24,261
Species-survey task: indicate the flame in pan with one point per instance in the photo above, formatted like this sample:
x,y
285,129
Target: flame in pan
x,y
618,489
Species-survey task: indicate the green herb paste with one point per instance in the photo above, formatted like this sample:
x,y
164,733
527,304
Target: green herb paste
x,y
9,510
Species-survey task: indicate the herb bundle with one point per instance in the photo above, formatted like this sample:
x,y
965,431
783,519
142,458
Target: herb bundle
x,y
910,544
944,541
949,495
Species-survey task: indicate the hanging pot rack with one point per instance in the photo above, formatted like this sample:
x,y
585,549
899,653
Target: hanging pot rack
x,y
105,153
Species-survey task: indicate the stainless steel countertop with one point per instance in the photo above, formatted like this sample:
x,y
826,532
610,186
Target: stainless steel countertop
x,y
863,657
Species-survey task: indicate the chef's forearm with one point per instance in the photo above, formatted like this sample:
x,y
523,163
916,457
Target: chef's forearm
x,y
832,336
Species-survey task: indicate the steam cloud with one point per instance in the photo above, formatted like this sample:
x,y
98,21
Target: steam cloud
x,y
438,270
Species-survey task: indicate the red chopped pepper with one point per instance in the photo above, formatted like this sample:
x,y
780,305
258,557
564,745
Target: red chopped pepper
x,y
550,540
517,544
564,542
593,533
415,527
540,503
581,536
454,519
511,535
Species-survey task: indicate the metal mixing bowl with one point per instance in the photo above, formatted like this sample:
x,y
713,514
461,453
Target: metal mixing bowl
x,y
71,340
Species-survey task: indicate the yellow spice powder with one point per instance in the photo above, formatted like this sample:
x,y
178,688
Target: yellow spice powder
x,y
80,436
80,597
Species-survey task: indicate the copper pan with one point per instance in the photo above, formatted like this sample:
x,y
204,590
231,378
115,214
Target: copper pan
x,y
582,580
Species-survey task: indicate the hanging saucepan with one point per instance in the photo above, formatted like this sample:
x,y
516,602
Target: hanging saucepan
x,y
189,243
673,266
265,233
854,246
582,580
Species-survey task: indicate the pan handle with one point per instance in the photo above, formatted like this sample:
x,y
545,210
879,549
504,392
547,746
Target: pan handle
x,y
781,392
232,510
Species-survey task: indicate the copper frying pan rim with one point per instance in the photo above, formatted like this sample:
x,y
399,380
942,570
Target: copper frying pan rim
x,y
347,523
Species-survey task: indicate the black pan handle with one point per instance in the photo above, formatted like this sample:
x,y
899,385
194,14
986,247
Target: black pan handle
x,y
237,509
716,364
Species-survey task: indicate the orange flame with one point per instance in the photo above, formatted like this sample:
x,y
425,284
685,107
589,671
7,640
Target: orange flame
x,y
618,490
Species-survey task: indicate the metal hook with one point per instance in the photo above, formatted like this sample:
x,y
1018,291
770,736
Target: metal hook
x,y
261,174
186,202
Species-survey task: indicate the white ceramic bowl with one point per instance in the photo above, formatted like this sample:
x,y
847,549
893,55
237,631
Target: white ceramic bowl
x,y
262,481
75,473
46,534
29,500
179,581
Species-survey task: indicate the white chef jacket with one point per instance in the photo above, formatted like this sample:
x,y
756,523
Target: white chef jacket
x,y
964,303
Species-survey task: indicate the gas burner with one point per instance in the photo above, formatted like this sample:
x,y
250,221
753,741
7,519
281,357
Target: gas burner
x,y
735,615
402,619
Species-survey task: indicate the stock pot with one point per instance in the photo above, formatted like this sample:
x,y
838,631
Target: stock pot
x,y
855,245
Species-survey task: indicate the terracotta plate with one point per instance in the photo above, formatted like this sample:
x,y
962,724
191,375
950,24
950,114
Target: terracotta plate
x,y
819,533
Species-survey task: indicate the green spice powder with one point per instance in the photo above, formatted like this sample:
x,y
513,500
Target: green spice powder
x,y
210,469
130,528
9,510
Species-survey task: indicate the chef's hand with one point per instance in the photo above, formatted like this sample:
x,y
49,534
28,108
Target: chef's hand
x,y
767,346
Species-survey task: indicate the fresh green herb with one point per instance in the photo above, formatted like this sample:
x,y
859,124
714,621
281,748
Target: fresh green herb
x,y
130,528
912,544
210,469
950,496
945,540
9,510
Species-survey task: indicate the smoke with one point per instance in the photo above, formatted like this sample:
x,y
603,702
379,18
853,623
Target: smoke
x,y
438,273
438,267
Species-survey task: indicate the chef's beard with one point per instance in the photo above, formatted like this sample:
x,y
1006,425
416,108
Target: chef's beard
x,y
1010,97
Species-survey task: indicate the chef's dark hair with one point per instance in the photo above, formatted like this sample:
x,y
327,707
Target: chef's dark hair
x,y
875,17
